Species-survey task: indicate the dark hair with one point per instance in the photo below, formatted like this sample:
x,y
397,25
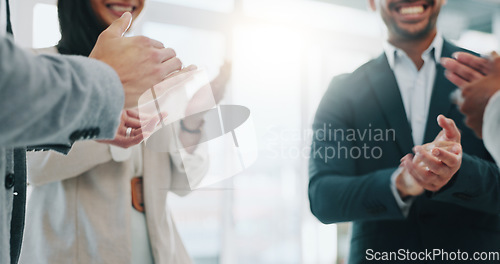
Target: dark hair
x,y
79,27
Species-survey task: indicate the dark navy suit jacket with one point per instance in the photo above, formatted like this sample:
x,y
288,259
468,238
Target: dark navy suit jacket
x,y
463,215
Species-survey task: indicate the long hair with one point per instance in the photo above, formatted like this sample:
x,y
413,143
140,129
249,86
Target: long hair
x,y
79,27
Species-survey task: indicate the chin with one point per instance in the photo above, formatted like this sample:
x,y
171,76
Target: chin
x,y
414,33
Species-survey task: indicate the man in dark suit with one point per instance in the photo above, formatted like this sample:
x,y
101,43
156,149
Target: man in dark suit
x,y
434,206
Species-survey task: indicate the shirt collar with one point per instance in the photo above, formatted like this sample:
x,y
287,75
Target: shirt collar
x,y
435,48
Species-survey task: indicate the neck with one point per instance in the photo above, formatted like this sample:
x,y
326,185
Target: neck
x,y
414,48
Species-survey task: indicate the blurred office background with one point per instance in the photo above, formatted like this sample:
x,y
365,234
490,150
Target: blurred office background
x,y
284,54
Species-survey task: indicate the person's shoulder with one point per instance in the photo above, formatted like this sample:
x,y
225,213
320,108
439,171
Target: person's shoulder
x,y
351,82
449,47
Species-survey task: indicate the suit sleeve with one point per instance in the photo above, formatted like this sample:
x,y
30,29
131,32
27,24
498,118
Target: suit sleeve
x,y
336,192
45,99
477,184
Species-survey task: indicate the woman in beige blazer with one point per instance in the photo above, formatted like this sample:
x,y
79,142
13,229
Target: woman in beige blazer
x,y
80,209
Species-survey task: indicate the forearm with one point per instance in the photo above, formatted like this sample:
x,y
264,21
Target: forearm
x,y
340,198
475,186
189,169
49,166
46,98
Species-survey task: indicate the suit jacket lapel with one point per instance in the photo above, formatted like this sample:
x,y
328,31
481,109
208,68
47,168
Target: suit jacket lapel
x,y
383,82
440,99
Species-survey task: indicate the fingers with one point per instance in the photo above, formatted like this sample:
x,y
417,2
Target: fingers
x,y
133,112
126,142
450,128
170,66
450,159
157,44
466,73
167,54
435,165
174,79
455,79
182,74
405,158
422,176
481,65
132,122
446,145
495,58
119,26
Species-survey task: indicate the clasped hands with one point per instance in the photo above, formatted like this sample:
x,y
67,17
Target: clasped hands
x,y
434,164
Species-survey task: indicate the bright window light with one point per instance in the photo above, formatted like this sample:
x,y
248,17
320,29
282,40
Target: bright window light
x,y
45,26
225,6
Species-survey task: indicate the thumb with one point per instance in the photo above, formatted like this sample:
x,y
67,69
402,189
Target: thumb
x,y
449,127
119,26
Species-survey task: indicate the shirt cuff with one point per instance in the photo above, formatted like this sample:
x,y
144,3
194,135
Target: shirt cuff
x,y
491,126
119,154
403,205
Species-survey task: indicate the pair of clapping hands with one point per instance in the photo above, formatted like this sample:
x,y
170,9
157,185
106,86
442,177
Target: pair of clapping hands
x,y
434,164
141,63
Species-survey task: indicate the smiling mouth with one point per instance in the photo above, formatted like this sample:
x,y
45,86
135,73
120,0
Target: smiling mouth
x,y
412,8
121,8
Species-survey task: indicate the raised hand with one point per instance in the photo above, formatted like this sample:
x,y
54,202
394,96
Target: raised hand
x,y
465,68
482,83
220,82
140,62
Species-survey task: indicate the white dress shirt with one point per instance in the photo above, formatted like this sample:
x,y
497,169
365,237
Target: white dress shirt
x,y
3,18
491,127
416,88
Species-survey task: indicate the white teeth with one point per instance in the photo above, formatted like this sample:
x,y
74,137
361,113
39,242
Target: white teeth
x,y
121,8
411,10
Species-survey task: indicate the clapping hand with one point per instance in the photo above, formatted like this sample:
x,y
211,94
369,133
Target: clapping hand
x,y
478,78
133,130
140,62
435,163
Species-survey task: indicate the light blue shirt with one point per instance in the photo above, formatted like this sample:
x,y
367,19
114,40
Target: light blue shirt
x,y
416,88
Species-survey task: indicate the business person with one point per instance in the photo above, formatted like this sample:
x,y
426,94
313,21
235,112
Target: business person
x,y
394,100
55,100
479,81
98,188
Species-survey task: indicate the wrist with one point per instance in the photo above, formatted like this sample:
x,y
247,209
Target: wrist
x,y
406,185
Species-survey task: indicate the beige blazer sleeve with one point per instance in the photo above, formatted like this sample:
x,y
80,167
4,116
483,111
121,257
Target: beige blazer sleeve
x,y
50,166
